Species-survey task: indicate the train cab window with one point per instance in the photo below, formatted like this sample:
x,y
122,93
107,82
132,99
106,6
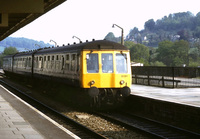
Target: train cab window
x,y
92,63
107,63
121,63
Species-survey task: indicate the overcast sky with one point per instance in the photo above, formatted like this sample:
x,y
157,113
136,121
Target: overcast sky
x,y
88,19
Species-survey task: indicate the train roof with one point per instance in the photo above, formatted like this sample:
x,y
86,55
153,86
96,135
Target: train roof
x,y
93,45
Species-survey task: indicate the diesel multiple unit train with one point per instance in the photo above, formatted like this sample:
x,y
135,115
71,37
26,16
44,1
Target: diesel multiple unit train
x,y
101,68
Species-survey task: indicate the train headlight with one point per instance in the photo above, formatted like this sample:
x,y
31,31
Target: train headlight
x,y
122,82
92,82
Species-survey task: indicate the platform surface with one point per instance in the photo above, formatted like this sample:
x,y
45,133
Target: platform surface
x,y
186,96
19,121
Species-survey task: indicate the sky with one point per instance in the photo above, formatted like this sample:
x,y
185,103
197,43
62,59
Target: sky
x,y
93,19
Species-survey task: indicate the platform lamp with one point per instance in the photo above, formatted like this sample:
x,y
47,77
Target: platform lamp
x,y
54,42
122,37
77,38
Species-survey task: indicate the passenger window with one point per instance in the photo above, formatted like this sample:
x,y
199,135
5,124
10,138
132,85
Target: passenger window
x,y
73,56
107,63
57,57
92,63
30,63
67,62
73,62
67,57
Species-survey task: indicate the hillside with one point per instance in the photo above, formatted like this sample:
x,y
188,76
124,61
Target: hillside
x,y
21,44
177,26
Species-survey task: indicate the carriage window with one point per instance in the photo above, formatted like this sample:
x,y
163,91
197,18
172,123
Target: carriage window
x,y
67,62
67,57
48,58
52,57
92,63
73,62
29,64
121,63
57,57
107,63
73,56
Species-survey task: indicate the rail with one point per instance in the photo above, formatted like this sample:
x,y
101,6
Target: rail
x,y
147,126
79,129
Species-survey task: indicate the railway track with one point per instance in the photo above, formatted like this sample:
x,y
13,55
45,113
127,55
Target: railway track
x,y
75,127
150,127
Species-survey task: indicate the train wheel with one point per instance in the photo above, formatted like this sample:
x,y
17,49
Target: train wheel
x,y
95,102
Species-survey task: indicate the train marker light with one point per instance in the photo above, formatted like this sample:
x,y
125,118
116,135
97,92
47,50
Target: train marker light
x,y
122,82
92,82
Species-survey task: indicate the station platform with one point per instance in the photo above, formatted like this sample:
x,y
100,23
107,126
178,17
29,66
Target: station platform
x,y
19,120
186,96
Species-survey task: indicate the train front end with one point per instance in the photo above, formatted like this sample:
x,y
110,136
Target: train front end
x,y
106,74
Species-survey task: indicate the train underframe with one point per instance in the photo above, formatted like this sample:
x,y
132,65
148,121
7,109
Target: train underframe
x,y
107,96
98,97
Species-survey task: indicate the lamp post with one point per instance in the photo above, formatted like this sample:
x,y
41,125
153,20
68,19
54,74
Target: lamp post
x,y
54,42
122,36
77,38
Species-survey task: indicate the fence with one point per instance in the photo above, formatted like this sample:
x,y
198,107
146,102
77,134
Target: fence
x,y
166,76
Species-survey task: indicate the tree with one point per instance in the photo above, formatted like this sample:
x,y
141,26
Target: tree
x,y
173,54
181,49
184,34
9,51
129,44
139,53
149,25
165,52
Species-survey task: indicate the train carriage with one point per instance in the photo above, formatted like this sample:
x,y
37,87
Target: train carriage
x,y
101,67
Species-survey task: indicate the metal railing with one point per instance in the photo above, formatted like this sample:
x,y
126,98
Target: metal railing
x,y
166,76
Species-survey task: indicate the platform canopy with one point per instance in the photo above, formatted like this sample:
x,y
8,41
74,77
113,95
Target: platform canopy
x,y
15,14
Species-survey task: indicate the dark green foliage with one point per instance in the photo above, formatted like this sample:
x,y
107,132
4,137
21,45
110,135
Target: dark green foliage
x,y
173,53
9,50
138,52
177,26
